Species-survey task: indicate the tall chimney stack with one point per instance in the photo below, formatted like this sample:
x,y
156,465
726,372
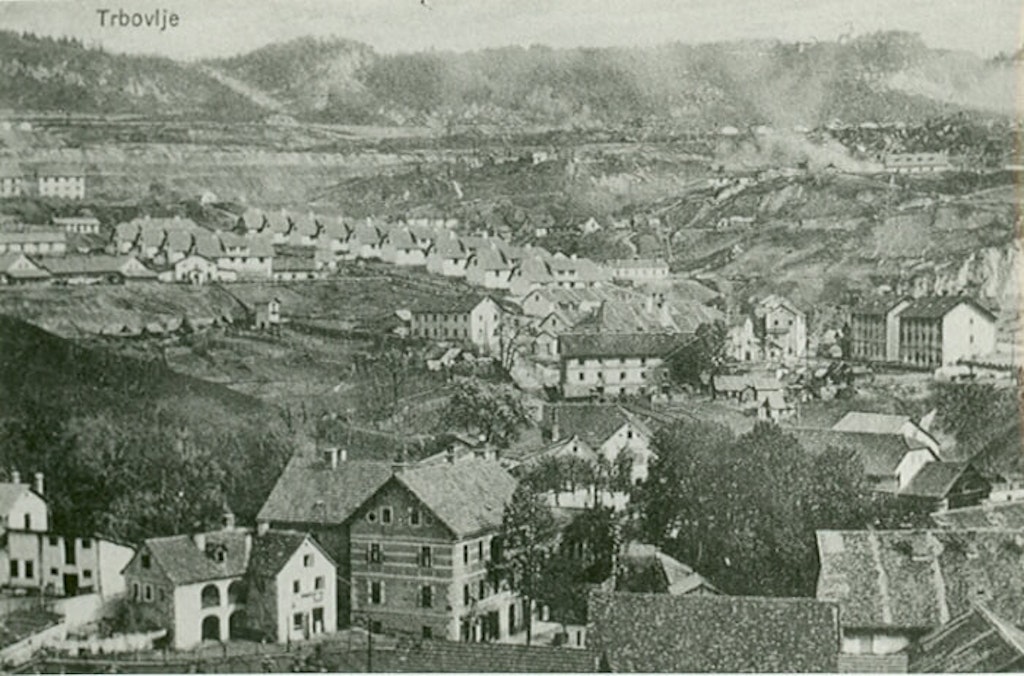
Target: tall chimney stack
x,y
39,483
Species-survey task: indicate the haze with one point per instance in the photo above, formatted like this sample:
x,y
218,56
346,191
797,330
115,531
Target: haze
x,y
226,27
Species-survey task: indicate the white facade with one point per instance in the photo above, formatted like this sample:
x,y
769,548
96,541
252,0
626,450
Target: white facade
x,y
306,593
68,187
609,376
195,269
27,511
190,615
911,464
966,332
63,566
629,438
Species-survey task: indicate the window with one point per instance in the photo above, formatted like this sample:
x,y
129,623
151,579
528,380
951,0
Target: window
x,y
371,516
147,592
86,543
581,376
28,522
622,375
428,632
376,592
318,583
29,572
467,598
426,596
480,550
414,517
87,574
629,434
426,557
297,621
53,541
465,553
385,515
374,554
481,590
146,562
307,561
376,627
135,591
296,587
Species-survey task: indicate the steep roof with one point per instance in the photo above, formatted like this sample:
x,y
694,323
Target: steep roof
x,y
935,479
307,480
676,578
920,579
83,264
873,423
273,549
593,423
988,515
709,634
880,454
468,496
184,563
10,493
33,236
936,307
880,306
978,641
449,305
576,345
7,262
293,264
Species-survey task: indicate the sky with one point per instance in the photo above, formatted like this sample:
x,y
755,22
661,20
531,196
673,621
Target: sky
x,y
212,28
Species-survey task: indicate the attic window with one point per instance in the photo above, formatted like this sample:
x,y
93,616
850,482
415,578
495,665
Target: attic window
x,y
146,563
371,516
414,516
385,515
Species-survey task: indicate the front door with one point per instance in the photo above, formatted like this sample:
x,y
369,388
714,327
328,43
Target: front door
x,y
70,584
69,551
512,619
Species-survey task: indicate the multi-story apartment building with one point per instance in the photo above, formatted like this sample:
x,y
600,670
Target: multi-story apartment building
x,y
11,180
939,331
606,364
34,242
638,270
774,330
874,329
471,319
419,551
60,181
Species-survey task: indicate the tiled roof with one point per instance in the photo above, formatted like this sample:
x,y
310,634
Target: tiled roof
x,y
920,579
934,479
449,247
876,306
449,305
880,454
576,345
935,307
989,515
712,634
7,261
272,550
637,263
593,423
33,236
184,563
675,578
469,496
307,481
978,641
452,657
294,264
11,170
401,239
874,423
893,663
490,259
278,221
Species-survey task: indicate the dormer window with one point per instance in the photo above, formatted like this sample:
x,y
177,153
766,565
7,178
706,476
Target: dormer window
x,y
146,561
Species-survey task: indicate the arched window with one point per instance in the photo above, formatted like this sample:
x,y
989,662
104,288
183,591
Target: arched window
x,y
210,596
237,592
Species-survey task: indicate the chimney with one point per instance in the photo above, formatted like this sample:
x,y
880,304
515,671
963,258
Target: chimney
x,y
228,520
248,545
449,455
555,432
331,457
262,527
38,485
199,539
15,477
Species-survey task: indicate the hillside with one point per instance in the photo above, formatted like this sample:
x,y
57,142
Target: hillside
x,y
877,77
130,447
46,74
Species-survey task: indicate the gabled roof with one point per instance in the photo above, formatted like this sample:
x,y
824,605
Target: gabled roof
x,y
593,423
877,306
100,264
978,641
294,264
457,305
872,423
936,307
637,263
184,563
709,634
935,479
307,481
617,345
468,497
273,549
920,579
33,236
674,577
738,383
252,218
11,493
449,247
429,656
880,454
490,259
7,262
988,515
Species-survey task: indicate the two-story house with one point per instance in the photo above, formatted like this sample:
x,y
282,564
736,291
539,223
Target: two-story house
x,y
34,242
607,364
638,270
59,180
447,256
890,461
939,331
490,268
11,177
472,319
773,330
608,429
419,551
203,586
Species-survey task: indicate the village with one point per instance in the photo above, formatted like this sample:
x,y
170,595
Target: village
x,y
708,381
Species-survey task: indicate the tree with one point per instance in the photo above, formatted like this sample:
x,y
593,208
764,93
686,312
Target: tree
x,y
973,413
702,356
513,335
494,411
527,539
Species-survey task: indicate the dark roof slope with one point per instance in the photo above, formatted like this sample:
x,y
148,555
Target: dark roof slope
x,y
310,491
450,657
575,345
990,515
184,563
662,633
273,549
920,579
978,641
449,305
935,307
935,479
880,453
468,496
593,423
876,306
